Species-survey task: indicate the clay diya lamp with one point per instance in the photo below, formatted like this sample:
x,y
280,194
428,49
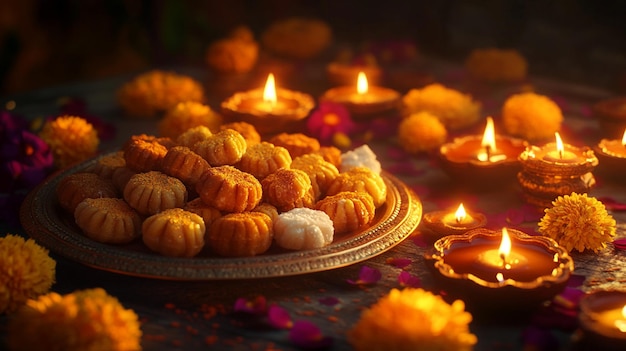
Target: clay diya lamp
x,y
271,110
438,224
492,270
364,101
611,155
554,170
481,162
602,319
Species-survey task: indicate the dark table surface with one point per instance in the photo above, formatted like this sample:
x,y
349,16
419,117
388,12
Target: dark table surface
x,y
194,315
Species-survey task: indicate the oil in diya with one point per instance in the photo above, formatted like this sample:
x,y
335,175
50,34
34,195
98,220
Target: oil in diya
x,y
271,110
508,270
602,319
438,224
364,101
554,170
482,161
611,155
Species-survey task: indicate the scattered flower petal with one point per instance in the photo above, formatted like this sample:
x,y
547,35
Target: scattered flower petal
x,y
612,204
367,276
278,317
258,305
399,262
329,301
620,244
307,335
406,279
419,241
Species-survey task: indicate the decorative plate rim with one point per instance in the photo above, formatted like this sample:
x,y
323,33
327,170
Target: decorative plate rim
x,y
41,217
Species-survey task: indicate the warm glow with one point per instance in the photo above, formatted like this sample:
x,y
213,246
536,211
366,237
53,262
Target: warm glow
x,y
460,214
489,137
559,144
361,83
621,323
505,244
624,138
269,93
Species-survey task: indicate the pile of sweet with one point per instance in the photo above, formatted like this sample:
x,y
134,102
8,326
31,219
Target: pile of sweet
x,y
226,192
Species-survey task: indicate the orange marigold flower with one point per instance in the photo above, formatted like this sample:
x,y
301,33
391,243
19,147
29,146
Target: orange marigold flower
x,y
453,108
187,115
71,138
421,131
531,116
413,319
26,271
156,91
578,222
84,320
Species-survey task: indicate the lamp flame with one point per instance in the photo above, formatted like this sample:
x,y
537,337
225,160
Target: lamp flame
x,y
621,323
624,138
505,245
559,144
489,137
460,213
269,93
361,83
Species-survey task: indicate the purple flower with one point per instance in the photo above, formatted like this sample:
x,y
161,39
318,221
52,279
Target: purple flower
x,y
367,276
328,120
307,335
399,262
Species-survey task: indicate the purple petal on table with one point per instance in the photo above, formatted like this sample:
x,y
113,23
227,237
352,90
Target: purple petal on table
x,y
279,317
307,335
538,339
329,301
258,305
367,276
576,280
612,204
399,262
419,241
406,279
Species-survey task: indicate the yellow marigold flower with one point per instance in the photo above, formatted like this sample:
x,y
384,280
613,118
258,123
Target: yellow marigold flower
x,y
26,271
421,131
453,108
156,91
297,37
71,138
578,222
496,65
84,320
413,319
531,116
187,115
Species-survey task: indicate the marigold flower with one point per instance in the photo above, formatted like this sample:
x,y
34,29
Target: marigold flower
x,y
453,108
496,65
421,131
83,320
578,222
238,53
413,319
156,91
26,271
71,138
531,116
187,115
297,37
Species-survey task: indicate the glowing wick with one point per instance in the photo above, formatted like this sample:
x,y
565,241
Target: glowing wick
x,y
505,247
489,138
269,93
361,84
559,144
460,214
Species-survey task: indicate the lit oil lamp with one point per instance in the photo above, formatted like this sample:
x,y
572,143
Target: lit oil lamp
x,y
492,270
612,157
270,109
438,224
363,100
555,169
602,318
611,115
482,161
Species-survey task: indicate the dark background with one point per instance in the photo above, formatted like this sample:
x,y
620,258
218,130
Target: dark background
x,y
45,42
